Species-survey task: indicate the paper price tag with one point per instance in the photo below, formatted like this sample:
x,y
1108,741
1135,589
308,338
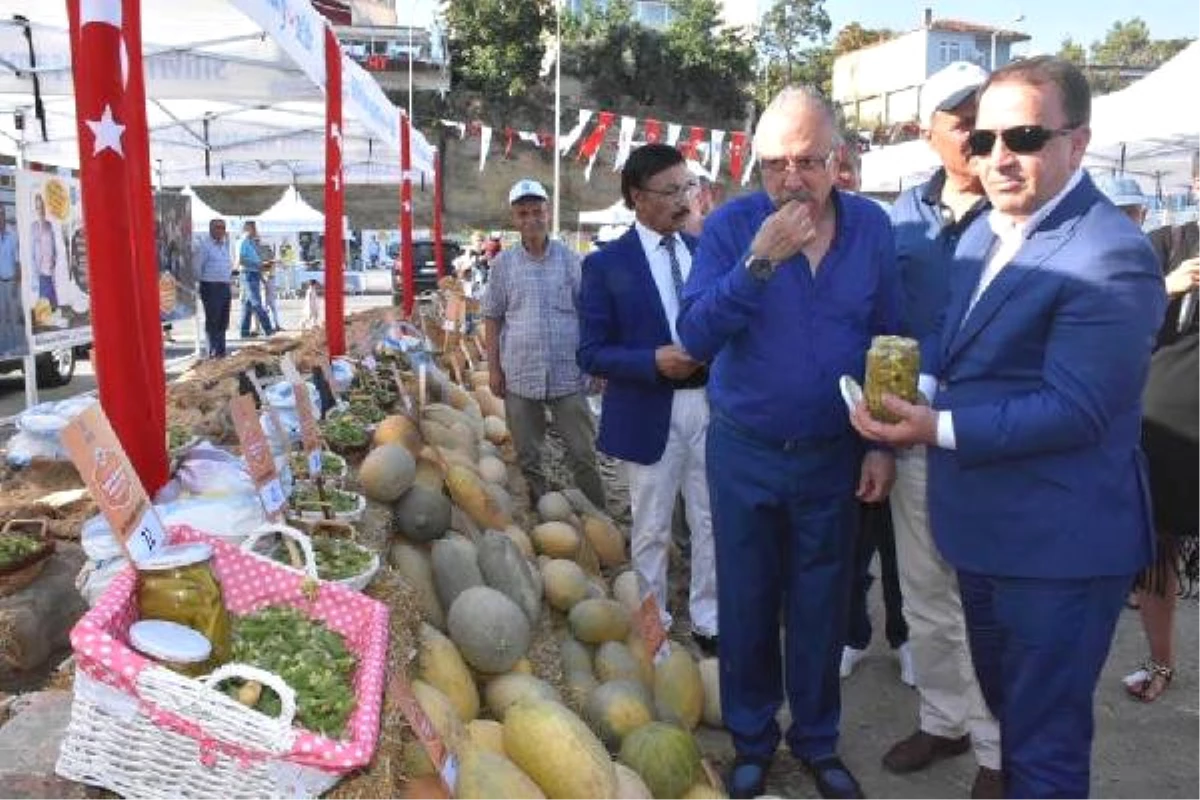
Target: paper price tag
x,y
256,452
648,623
447,765
96,452
310,432
314,462
402,389
281,434
272,497
370,363
288,367
422,386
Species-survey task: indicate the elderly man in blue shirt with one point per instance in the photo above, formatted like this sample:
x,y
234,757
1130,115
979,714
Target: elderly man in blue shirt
x,y
12,320
788,286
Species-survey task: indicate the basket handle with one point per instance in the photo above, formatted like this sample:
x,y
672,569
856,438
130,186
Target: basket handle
x,y
310,558
287,695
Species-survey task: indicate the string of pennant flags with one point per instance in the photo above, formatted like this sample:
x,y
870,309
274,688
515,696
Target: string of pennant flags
x,y
708,147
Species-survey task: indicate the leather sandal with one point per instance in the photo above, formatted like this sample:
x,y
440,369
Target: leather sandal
x,y
1141,684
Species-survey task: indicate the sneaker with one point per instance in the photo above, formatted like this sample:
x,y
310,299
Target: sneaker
x,y
850,658
908,673
832,777
747,778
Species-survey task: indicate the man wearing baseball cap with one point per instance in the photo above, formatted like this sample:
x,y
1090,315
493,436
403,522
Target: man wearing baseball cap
x,y
928,221
531,320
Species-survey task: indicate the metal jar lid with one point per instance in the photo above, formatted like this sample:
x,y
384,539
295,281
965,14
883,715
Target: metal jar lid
x,y
169,641
177,555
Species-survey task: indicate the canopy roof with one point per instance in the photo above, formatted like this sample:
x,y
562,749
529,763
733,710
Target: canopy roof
x,y
616,214
235,94
291,214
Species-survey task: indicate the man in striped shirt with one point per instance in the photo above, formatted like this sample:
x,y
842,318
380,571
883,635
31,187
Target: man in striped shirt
x,y
532,327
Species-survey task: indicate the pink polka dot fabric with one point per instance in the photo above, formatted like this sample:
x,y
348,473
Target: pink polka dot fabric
x,y
250,582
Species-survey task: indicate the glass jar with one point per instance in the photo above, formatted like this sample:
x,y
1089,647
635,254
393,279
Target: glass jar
x,y
177,585
893,367
174,646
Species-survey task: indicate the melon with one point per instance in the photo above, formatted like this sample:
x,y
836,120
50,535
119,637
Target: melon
x,y
492,470
455,568
467,490
614,662
491,631
580,502
485,774
423,514
398,429
453,418
504,691
564,583
431,473
521,540
678,691
523,666
555,539
425,787
486,734
461,521
585,557
500,497
387,472
415,567
637,647
665,756
489,404
576,657
495,430
556,749
627,591
553,507
616,708
579,687
441,666
505,569
597,586
710,678
605,539
594,620
445,721
630,785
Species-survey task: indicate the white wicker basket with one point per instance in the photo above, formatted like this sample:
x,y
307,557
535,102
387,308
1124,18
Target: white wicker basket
x,y
356,582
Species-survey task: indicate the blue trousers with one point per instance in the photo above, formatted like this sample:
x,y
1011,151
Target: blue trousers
x,y
783,523
1038,646
252,302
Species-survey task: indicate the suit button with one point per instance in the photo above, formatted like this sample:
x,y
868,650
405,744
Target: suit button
x,y
941,386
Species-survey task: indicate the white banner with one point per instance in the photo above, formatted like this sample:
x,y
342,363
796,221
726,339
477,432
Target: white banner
x,y
673,131
569,140
296,26
485,136
624,142
718,143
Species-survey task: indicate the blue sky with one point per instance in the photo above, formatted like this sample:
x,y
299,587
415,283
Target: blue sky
x,y
1047,21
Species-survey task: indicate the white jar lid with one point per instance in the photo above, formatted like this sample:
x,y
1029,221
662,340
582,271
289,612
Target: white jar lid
x,y
169,641
177,555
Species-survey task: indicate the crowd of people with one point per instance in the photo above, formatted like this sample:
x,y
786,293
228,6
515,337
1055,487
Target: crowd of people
x,y
1011,506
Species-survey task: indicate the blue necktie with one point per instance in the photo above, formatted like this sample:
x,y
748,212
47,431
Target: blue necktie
x,y
676,272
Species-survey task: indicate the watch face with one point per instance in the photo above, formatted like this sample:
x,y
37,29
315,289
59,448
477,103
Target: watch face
x,y
761,268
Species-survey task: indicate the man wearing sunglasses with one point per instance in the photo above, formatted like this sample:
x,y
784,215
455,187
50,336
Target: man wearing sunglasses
x,y
1037,487
929,221
655,414
788,286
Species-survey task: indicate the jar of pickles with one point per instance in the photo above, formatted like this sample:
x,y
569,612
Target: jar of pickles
x,y
174,646
177,585
893,366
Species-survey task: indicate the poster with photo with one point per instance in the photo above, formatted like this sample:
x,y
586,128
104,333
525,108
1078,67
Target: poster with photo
x,y
54,266
14,335
173,247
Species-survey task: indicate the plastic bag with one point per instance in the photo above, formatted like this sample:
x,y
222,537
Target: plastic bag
x,y
207,470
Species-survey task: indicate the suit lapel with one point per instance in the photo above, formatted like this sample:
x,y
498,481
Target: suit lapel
x,y
643,280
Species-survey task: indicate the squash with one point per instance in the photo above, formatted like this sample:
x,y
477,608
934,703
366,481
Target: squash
x,y
423,514
387,473
491,631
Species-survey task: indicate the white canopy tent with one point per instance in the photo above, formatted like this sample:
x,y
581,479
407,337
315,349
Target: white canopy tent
x,y
235,95
616,214
202,212
291,214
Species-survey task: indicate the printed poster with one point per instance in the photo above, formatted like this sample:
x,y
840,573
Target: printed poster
x,y
177,282
14,337
53,254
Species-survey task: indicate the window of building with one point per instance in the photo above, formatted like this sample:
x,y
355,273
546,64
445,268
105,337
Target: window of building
x,y
949,52
653,13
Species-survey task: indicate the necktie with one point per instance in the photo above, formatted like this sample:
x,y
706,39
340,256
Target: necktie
x,y
676,273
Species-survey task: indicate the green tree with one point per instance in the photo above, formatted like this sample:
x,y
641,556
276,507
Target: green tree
x,y
496,46
791,45
1072,51
1127,44
855,37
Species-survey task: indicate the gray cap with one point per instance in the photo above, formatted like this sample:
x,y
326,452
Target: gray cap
x,y
1121,190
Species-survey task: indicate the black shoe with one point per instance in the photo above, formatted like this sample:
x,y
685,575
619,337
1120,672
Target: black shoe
x,y
747,778
832,777
707,644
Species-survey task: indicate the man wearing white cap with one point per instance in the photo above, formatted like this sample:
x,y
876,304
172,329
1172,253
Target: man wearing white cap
x,y
928,221
531,319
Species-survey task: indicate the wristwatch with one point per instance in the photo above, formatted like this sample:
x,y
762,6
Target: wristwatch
x,y
761,268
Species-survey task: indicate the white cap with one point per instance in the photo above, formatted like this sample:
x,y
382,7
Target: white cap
x,y
1122,191
948,87
526,188
169,641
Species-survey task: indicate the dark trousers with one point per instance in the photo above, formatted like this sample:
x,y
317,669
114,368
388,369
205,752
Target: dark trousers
x,y
783,517
875,534
1038,646
216,297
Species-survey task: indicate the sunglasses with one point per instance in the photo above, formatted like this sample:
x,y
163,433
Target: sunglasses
x,y
1022,140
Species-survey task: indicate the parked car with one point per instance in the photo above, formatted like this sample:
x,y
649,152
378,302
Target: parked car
x,y
54,368
425,277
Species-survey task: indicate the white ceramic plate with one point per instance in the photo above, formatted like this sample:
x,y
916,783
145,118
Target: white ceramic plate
x,y
852,393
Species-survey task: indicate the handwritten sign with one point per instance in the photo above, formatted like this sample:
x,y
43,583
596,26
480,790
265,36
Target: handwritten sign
x,y
310,432
281,434
403,390
648,622
256,451
327,371
443,760
96,452
422,386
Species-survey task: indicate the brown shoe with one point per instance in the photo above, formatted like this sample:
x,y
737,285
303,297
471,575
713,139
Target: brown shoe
x,y
989,784
921,749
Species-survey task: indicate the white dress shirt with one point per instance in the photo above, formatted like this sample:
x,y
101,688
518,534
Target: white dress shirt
x,y
660,270
1010,235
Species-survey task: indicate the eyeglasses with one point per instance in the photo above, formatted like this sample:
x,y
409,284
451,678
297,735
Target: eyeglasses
x,y
778,166
1022,140
686,190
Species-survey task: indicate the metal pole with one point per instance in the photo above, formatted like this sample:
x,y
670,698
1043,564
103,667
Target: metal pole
x,y
410,60
30,360
557,113
993,49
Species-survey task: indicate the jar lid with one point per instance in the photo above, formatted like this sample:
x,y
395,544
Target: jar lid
x,y
177,555
169,641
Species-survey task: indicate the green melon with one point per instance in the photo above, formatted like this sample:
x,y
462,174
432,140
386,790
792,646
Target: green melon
x,y
387,472
595,620
491,631
665,756
617,708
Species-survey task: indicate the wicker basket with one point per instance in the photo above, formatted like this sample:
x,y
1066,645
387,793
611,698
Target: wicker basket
x,y
21,573
141,730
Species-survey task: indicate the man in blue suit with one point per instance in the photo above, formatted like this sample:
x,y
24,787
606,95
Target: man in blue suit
x,y
655,414
1037,486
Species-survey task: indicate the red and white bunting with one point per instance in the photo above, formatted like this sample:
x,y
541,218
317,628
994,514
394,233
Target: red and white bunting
x,y
485,144
716,146
624,142
573,135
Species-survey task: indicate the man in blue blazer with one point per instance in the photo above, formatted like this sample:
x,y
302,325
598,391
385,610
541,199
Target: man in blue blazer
x,y
655,413
1037,486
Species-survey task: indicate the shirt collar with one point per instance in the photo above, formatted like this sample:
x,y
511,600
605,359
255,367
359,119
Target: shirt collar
x,y
1007,230
651,239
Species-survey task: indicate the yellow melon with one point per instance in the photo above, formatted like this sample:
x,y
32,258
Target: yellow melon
x,y
555,748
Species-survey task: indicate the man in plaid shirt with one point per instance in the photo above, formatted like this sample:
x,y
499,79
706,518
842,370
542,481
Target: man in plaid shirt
x,y
531,320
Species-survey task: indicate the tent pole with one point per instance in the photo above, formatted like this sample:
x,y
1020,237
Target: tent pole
x,y
29,361
438,254
406,217
335,244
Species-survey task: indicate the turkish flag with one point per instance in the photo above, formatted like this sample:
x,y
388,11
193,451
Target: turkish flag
x,y
591,145
653,131
737,153
110,111
335,331
690,148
